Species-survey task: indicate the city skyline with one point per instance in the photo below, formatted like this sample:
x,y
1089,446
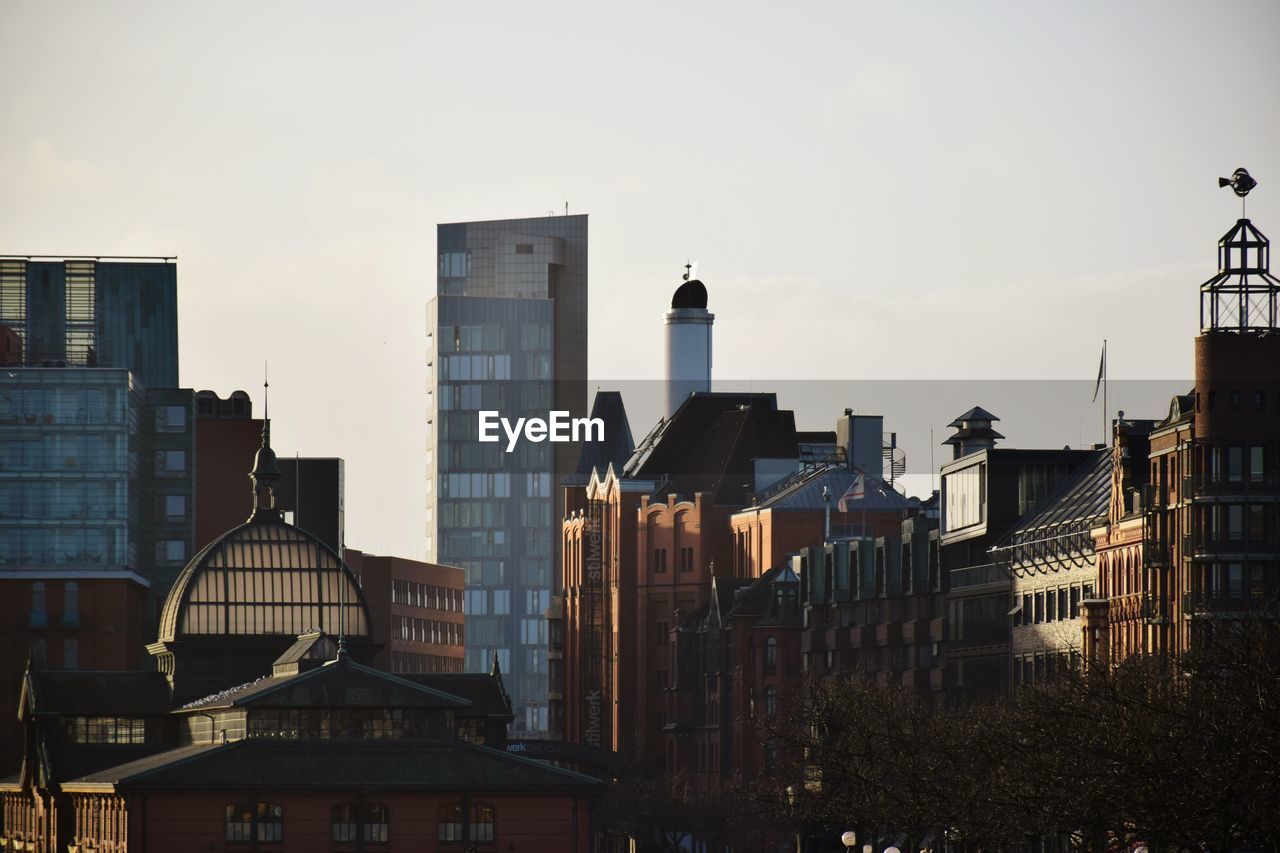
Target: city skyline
x,y
796,163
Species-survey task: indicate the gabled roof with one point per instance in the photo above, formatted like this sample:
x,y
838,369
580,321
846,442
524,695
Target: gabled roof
x,y
484,691
126,694
803,491
618,445
283,765
710,433
342,683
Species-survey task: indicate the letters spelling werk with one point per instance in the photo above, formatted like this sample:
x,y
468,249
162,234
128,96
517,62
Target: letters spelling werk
x,y
558,427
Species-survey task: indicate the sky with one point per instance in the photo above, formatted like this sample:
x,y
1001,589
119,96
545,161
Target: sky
x,y
871,191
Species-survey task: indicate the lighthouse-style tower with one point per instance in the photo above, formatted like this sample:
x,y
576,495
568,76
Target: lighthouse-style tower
x,y
688,349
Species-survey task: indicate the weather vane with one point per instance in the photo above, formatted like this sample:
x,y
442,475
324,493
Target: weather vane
x,y
1241,182
688,269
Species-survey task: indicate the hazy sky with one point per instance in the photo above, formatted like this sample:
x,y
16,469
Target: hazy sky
x,y
871,191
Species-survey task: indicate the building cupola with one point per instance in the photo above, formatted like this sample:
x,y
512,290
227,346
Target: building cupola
x,y
973,432
1243,296
688,344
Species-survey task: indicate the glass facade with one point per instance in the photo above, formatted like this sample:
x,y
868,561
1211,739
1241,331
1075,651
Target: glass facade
x,y
507,333
88,483
84,312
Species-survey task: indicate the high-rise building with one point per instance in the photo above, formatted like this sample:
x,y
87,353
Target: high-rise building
x,y
96,462
508,333
90,312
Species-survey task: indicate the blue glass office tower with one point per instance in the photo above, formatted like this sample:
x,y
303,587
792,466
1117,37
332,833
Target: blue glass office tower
x,y
508,332
96,449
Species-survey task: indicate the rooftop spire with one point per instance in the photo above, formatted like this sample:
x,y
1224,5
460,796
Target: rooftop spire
x,y
1244,297
266,470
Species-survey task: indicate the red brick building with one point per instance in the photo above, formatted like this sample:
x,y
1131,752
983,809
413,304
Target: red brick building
x,y
1193,541
641,547
416,610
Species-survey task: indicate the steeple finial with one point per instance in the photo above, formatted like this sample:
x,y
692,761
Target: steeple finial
x,y
266,470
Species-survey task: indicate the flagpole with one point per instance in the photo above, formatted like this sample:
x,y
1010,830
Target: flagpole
x,y
1106,439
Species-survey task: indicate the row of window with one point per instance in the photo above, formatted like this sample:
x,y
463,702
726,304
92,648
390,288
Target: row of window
x,y
1052,605
61,499
658,564
56,451
97,546
417,630
417,662
107,730
62,406
414,594
346,724
360,822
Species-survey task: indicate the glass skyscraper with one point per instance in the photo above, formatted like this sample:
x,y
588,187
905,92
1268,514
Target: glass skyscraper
x,y
95,436
508,332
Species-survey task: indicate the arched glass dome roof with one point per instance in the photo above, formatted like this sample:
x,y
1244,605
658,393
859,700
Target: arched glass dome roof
x,y
265,577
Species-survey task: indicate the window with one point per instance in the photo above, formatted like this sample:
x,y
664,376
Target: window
x,y
170,463
502,602
770,700
70,653
771,654
659,561
686,559
465,822
173,550
1255,464
171,419
39,615
255,822
175,507
71,604
108,729
361,822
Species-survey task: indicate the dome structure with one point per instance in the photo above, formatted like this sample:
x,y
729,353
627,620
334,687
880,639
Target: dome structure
x,y
245,598
265,577
691,294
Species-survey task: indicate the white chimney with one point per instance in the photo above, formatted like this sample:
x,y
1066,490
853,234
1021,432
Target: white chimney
x,y
688,351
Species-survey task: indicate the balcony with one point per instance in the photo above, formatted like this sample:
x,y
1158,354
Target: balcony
x,y
1209,605
970,576
1202,485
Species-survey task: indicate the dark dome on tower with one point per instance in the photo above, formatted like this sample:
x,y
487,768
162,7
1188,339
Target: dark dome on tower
x,y
691,294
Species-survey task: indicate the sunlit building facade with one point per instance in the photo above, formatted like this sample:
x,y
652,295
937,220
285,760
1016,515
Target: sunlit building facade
x,y
508,333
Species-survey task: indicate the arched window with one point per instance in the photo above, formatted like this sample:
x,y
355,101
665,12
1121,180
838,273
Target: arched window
x,y
356,822
255,822
466,822
771,654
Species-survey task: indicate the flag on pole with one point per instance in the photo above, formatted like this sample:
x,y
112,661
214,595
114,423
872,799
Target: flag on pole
x,y
856,492
1102,373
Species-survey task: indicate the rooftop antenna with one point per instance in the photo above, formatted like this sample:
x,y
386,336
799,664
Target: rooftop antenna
x,y
1241,182
266,393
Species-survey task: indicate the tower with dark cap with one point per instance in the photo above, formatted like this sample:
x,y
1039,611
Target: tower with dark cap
x,y
688,345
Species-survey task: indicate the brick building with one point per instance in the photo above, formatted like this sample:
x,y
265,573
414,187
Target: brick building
x,y
416,610
641,547
1196,535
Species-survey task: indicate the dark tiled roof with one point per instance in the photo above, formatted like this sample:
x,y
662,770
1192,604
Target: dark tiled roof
x,y
977,413
803,491
293,765
338,684
132,694
1059,525
669,448
483,691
